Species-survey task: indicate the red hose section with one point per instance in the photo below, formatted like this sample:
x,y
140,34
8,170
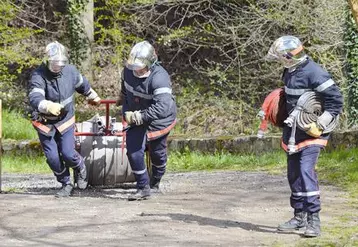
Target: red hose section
x,y
271,108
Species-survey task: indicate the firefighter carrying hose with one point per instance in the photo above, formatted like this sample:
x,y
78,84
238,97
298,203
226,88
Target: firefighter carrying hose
x,y
301,75
150,109
51,95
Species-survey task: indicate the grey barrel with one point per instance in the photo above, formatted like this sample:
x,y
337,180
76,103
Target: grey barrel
x,y
105,156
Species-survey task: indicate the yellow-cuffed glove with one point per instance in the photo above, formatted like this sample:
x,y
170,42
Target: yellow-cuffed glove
x,y
313,130
128,116
133,117
93,98
96,101
54,108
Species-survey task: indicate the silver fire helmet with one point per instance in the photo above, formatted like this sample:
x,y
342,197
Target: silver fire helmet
x,y
56,57
288,50
142,55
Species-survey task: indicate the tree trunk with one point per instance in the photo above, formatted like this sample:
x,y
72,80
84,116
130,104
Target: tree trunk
x,y
354,7
87,19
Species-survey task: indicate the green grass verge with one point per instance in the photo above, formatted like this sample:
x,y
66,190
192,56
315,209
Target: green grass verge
x,y
16,127
339,167
194,161
27,164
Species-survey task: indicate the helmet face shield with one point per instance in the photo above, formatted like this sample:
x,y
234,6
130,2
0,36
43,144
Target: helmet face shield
x,y
287,50
56,57
56,66
135,63
271,56
142,56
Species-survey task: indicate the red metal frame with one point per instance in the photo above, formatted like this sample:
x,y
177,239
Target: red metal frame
x,y
107,130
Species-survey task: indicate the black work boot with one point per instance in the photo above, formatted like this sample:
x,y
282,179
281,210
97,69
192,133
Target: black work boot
x,y
297,222
154,185
141,194
80,177
65,191
313,225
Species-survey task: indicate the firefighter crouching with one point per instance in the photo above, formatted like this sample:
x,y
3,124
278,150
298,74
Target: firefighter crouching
x,y
303,145
150,109
51,95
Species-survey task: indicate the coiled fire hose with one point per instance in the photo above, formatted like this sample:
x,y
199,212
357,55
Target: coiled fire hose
x,y
306,111
273,111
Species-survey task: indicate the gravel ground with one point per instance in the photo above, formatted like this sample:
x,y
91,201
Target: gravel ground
x,y
195,209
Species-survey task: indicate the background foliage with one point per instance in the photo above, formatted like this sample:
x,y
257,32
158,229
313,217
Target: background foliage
x,y
214,50
351,47
78,42
15,56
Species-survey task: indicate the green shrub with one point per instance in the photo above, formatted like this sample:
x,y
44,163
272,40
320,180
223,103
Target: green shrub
x,y
15,126
15,54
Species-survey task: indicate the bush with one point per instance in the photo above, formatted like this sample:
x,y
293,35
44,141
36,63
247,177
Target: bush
x,y
15,126
15,55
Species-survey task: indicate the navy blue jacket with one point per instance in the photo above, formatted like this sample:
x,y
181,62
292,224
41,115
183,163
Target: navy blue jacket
x,y
153,97
309,76
60,88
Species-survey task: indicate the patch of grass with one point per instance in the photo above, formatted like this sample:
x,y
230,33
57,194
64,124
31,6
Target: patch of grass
x,y
340,167
27,164
13,190
339,235
16,127
194,161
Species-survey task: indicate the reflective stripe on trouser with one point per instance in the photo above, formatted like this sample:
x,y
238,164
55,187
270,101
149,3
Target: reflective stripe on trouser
x,y
303,180
135,141
61,154
158,156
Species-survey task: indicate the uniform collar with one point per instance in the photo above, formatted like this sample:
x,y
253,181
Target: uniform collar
x,y
298,67
50,74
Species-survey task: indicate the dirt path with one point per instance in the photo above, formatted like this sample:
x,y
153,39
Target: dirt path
x,y
196,209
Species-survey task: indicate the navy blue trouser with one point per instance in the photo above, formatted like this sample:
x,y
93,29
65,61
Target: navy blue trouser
x,y
303,180
136,143
61,154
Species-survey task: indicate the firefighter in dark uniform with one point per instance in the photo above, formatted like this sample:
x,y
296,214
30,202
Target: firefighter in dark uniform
x,y
300,75
51,95
150,109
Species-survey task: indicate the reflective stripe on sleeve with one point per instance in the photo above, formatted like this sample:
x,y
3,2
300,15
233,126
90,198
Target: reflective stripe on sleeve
x,y
324,85
37,90
292,91
162,90
79,83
